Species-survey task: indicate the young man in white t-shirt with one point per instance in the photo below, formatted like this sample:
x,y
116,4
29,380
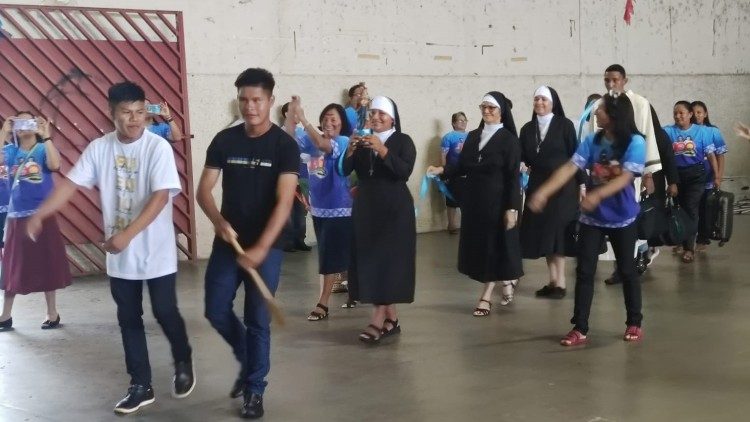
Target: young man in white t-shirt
x,y
136,174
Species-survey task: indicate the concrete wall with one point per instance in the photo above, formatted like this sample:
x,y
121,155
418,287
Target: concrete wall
x,y
439,56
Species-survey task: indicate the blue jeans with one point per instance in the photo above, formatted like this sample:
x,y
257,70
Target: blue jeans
x,y
128,295
251,342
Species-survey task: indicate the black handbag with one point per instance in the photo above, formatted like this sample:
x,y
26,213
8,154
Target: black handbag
x,y
647,217
678,222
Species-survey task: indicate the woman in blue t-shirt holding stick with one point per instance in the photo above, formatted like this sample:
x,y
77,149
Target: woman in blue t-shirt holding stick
x,y
614,156
30,159
330,200
692,145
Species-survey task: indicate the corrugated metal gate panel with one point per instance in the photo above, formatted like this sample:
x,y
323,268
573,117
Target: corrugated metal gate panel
x,y
59,62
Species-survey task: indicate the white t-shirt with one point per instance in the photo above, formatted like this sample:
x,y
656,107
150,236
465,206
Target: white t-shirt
x,y
127,175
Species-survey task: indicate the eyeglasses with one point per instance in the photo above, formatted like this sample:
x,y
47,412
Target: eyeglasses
x,y
483,107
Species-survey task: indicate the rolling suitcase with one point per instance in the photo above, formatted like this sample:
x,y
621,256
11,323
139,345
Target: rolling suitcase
x,y
719,215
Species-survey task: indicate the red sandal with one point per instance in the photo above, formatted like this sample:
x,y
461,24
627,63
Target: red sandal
x,y
574,338
633,333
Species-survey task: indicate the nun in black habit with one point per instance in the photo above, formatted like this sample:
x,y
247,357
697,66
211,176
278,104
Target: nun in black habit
x,y
382,268
489,249
547,142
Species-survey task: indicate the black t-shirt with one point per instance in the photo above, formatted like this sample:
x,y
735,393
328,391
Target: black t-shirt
x,y
251,169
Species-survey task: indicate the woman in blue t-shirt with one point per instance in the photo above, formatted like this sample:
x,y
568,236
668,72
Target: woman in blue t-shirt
x,y
30,160
614,156
700,117
692,145
330,200
450,147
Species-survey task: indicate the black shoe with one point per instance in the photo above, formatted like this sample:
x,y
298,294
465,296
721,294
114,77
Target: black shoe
x,y
238,389
137,397
545,291
253,406
613,279
302,246
48,325
289,249
184,380
6,325
557,293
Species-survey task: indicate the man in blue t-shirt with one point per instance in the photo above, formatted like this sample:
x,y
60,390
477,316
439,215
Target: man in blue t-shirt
x,y
450,147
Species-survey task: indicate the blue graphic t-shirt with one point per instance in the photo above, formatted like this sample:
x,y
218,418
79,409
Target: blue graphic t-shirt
x,y
161,129
451,146
356,118
720,149
34,180
329,191
690,146
4,188
620,209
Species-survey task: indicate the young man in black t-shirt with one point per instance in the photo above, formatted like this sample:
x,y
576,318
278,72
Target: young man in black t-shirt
x,y
259,162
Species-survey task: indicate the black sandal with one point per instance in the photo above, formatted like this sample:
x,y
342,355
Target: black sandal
x,y
317,316
368,337
50,325
395,328
479,312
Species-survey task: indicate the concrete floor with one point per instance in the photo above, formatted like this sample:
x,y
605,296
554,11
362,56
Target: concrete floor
x,y
693,365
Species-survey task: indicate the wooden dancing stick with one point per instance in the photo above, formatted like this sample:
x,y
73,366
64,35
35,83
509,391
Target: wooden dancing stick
x,y
276,313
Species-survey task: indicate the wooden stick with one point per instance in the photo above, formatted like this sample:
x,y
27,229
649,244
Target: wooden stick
x,y
273,306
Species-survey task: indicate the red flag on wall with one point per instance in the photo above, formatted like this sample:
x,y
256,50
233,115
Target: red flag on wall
x,y
628,11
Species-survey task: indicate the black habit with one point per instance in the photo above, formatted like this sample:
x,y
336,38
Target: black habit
x,y
543,234
382,269
487,252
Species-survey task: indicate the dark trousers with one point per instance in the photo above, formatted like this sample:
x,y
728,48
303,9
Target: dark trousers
x,y
623,242
128,295
703,236
691,187
251,342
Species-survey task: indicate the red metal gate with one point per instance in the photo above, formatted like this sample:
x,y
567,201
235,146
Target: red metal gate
x,y
58,62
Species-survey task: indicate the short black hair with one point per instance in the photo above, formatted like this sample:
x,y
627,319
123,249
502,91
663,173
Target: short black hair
x,y
616,68
685,104
124,92
346,127
257,77
456,115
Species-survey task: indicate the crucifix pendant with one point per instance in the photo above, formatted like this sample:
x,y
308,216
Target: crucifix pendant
x,y
479,160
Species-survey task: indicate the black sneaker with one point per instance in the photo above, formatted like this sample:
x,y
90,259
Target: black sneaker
x,y
137,397
238,389
302,246
253,406
545,291
641,262
184,380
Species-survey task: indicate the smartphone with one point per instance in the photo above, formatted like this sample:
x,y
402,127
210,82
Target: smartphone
x,y
24,124
364,132
153,108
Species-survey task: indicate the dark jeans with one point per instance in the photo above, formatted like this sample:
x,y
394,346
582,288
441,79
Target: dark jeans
x,y
623,242
251,342
691,187
128,295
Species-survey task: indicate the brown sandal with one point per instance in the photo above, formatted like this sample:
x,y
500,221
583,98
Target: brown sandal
x,y
688,257
480,312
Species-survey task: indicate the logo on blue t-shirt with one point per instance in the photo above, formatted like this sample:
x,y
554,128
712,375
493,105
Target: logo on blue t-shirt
x,y
684,145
